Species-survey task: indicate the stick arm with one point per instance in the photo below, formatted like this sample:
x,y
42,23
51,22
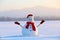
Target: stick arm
x,y
38,25
42,21
18,23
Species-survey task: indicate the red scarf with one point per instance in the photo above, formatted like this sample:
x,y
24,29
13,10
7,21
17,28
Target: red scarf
x,y
33,26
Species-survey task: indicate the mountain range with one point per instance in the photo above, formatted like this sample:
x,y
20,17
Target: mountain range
x,y
36,11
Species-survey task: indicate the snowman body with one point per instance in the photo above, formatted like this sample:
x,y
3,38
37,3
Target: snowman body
x,y
29,31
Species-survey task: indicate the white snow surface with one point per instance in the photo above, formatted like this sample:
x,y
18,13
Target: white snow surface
x,y
50,30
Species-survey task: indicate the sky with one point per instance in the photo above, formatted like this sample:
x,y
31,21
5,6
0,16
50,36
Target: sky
x,y
6,5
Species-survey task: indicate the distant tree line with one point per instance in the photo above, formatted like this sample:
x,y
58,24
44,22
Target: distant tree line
x,y
37,18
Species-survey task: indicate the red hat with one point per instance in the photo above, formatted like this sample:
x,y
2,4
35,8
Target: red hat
x,y
29,15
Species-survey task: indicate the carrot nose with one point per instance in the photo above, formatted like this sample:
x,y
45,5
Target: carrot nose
x,y
17,23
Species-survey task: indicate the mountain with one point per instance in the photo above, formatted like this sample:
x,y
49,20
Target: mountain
x,y
36,11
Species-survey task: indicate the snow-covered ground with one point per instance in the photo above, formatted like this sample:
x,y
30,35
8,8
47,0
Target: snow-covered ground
x,y
50,30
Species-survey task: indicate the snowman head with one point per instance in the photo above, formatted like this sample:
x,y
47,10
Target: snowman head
x,y
30,17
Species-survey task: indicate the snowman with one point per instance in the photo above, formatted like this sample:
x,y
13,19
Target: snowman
x,y
30,29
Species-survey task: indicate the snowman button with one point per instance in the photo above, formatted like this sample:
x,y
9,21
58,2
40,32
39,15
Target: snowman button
x,y
30,27
30,30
